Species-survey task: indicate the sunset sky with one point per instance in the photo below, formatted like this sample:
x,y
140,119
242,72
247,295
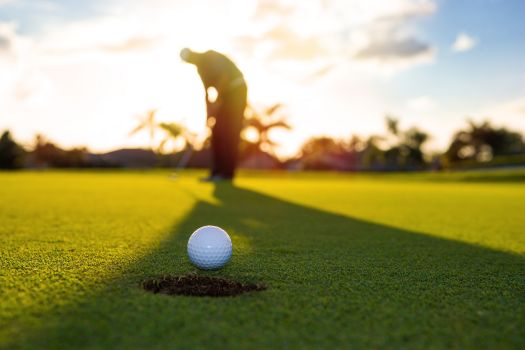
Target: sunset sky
x,y
80,72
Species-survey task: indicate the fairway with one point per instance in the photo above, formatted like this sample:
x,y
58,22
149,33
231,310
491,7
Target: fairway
x,y
353,261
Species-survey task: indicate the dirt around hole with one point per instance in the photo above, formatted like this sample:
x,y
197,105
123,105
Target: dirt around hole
x,y
199,286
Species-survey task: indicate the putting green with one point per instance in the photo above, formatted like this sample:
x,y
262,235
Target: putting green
x,y
401,261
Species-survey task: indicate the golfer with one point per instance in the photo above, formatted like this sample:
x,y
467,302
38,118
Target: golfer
x,y
225,113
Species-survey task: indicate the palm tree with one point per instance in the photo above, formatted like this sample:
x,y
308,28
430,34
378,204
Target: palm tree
x,y
392,124
263,123
172,131
482,142
147,122
176,131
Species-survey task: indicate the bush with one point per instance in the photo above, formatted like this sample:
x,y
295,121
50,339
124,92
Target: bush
x,y
11,153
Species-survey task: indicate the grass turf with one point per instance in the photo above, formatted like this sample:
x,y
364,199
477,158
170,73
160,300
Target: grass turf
x,y
401,261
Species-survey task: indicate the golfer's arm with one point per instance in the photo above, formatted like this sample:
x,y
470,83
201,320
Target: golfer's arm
x,y
210,110
207,103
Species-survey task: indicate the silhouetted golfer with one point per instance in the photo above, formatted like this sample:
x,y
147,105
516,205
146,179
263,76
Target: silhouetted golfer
x,y
226,112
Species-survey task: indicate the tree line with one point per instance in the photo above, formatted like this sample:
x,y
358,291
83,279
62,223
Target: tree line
x,y
477,145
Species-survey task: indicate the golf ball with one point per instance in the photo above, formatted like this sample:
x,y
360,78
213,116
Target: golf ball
x,y
209,248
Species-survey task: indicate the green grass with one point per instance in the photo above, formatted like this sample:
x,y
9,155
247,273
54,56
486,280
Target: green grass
x,y
354,261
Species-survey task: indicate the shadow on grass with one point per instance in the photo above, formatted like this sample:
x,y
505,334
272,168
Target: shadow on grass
x,y
333,280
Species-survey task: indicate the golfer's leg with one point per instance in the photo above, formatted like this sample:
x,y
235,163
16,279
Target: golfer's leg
x,y
232,150
227,171
239,105
215,152
233,115
221,151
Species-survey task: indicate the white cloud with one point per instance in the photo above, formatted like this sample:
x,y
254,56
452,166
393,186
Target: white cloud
x,y
5,44
393,49
464,42
359,31
7,33
421,104
390,42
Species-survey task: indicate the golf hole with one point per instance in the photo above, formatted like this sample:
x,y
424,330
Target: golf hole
x,y
199,286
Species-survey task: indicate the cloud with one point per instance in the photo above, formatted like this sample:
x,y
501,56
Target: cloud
x,y
290,45
5,43
406,10
271,9
131,44
8,39
285,30
5,2
103,35
464,42
20,82
392,49
421,104
343,31
390,40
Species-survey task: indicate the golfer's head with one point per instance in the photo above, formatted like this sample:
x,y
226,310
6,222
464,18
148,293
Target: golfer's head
x,y
188,56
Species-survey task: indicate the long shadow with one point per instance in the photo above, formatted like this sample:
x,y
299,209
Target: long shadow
x,y
333,281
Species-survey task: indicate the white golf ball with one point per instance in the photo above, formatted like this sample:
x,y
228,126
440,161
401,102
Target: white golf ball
x,y
209,248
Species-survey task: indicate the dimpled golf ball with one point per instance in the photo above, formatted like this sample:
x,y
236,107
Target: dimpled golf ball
x,y
209,248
